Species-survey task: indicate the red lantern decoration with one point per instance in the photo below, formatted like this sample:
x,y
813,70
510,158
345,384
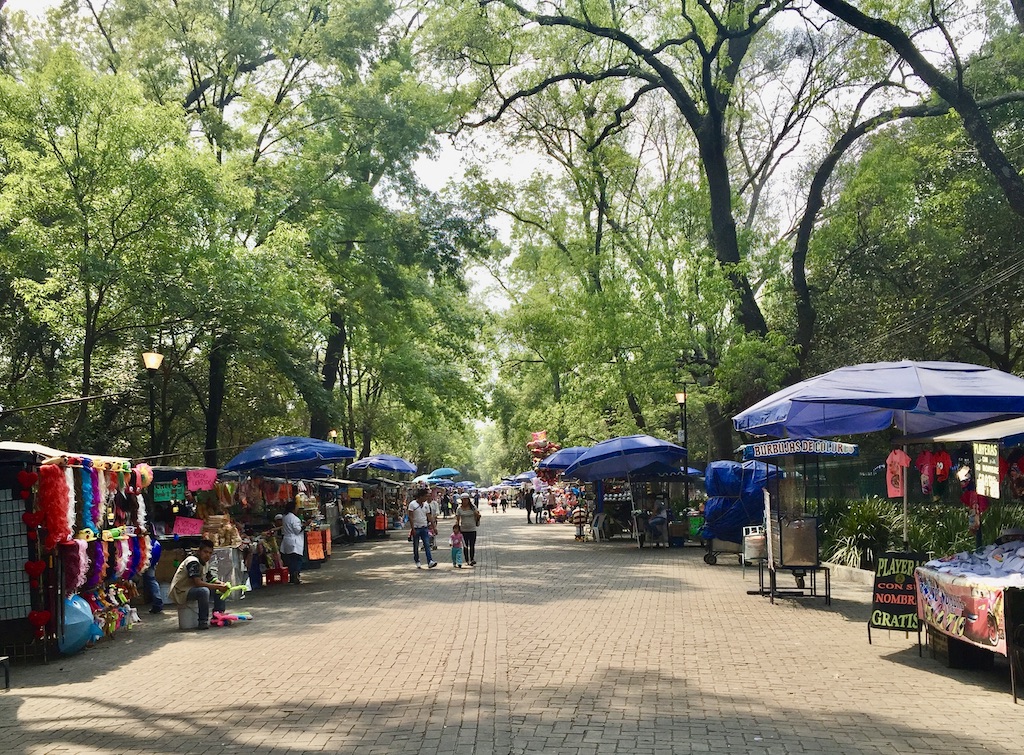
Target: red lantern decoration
x,y
39,620
32,519
34,569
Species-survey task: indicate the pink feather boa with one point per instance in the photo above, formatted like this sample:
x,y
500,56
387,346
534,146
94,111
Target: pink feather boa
x,y
76,565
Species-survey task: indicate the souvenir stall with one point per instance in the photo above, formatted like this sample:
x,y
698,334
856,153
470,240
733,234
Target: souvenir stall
x,y
73,535
972,605
189,504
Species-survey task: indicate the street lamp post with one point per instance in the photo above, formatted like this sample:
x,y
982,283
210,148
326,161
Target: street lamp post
x,y
152,360
681,400
333,437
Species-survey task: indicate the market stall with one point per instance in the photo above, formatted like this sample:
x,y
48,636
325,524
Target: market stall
x,y
189,504
972,605
73,535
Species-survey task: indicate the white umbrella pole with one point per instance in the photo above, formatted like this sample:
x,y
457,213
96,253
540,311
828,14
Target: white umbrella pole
x,y
906,507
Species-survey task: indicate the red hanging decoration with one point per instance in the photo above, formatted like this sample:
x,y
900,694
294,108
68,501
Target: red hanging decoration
x,y
39,620
34,569
53,503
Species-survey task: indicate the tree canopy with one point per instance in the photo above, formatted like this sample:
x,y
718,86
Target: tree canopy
x,y
721,197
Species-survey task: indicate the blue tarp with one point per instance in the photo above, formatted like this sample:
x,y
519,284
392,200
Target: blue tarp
x,y
735,497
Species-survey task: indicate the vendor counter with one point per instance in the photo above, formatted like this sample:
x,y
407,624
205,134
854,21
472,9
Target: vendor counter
x,y
969,616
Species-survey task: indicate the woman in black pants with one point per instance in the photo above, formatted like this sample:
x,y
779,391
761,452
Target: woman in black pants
x,y
468,518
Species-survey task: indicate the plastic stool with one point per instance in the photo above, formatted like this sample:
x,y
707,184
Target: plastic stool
x,y
188,616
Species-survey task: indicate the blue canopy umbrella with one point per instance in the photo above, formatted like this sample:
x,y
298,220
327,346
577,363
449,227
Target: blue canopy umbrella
x,y
441,482
293,472
445,472
619,457
465,484
526,476
659,470
385,463
560,460
286,450
915,397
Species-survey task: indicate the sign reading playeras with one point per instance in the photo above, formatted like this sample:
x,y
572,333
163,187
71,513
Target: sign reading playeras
x,y
986,469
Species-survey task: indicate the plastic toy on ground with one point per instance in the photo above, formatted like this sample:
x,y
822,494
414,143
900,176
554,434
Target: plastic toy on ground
x,y
221,619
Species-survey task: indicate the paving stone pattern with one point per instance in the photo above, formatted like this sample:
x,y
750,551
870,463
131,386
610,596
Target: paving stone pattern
x,y
547,646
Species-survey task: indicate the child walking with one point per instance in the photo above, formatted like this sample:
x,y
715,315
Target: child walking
x,y
457,542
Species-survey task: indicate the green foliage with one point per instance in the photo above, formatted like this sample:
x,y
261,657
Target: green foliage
x,y
854,533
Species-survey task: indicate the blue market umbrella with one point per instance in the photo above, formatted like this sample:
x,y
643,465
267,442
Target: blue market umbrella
x,y
619,457
660,470
288,450
442,483
561,460
915,397
294,472
445,472
525,476
385,463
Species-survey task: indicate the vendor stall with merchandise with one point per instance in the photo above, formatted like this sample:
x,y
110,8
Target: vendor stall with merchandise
x,y
972,605
73,535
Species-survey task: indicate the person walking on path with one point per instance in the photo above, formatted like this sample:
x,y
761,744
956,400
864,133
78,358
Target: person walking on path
x,y
292,543
469,518
421,520
457,543
526,497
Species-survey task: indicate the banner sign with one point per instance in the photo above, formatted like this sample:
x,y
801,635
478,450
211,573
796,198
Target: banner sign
x,y
894,599
810,446
986,469
168,491
971,612
187,526
201,479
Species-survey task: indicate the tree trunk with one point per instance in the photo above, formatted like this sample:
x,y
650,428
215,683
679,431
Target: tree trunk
x,y
218,376
723,226
634,409
721,431
319,422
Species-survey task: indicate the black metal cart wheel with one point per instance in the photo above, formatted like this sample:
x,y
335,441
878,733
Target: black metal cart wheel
x,y
710,559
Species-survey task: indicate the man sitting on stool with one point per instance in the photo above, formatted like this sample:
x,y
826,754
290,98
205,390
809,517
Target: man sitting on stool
x,y
194,581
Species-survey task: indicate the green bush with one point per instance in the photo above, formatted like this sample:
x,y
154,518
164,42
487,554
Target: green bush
x,y
855,532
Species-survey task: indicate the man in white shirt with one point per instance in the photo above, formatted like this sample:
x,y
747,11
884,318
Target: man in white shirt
x,y
421,520
292,542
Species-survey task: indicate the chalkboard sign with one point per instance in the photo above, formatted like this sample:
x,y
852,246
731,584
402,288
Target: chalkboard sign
x,y
894,601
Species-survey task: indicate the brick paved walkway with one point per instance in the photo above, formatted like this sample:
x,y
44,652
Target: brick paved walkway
x,y
548,646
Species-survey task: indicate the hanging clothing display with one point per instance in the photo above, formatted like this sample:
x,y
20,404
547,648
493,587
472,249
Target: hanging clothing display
x,y
895,463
